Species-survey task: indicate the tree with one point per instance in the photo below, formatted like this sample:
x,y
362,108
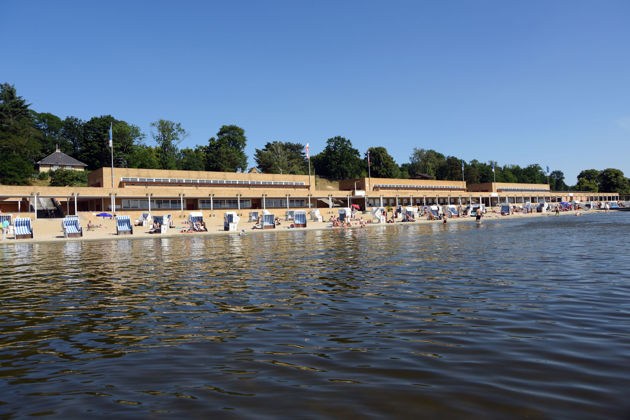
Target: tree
x,y
588,180
382,165
471,174
556,181
143,156
167,136
613,180
19,146
427,162
72,133
68,177
50,136
226,152
94,146
453,169
282,158
339,160
192,159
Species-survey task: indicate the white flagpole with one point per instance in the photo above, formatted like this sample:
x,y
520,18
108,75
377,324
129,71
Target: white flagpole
x,y
308,156
111,148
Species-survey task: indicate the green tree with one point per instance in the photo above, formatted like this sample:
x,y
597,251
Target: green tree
x,y
339,160
94,147
167,136
72,133
453,168
192,159
427,162
382,164
68,177
143,156
585,184
282,158
19,146
226,152
50,136
613,180
471,174
556,181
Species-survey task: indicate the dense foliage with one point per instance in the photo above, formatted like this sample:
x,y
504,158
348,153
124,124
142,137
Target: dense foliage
x,y
27,136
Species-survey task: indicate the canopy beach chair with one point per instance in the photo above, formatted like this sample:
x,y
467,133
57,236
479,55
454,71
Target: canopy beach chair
x,y
160,224
196,223
408,214
144,219
230,221
289,215
253,216
123,225
299,219
71,227
316,216
269,221
344,214
505,210
434,212
378,213
23,228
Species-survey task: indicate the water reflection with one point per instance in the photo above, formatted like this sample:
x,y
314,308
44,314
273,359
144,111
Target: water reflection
x,y
387,321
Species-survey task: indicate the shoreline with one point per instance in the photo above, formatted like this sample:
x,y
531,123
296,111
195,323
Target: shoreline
x,y
49,230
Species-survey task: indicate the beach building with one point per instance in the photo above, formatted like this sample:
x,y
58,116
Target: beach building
x,y
133,191
59,160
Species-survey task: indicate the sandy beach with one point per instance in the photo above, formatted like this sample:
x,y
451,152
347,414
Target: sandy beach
x,y
49,230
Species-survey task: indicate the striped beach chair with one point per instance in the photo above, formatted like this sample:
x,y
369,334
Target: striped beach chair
x,y
6,217
123,225
269,221
23,228
71,227
299,219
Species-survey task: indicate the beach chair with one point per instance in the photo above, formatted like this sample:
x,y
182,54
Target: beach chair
x,y
316,216
505,210
123,225
230,221
299,219
143,220
162,222
6,217
253,216
269,221
289,215
378,213
71,227
195,218
23,228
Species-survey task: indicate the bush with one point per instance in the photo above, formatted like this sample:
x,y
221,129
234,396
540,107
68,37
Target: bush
x,y
43,176
69,178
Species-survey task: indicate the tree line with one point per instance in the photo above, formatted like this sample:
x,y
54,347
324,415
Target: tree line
x,y
27,136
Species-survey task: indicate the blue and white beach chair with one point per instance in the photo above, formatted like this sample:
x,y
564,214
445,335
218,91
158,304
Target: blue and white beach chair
x,y
123,225
230,221
269,221
71,227
23,228
299,219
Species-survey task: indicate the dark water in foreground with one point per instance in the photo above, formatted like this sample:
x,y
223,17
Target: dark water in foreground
x,y
516,318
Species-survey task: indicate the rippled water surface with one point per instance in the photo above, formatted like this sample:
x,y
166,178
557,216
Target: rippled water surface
x,y
514,318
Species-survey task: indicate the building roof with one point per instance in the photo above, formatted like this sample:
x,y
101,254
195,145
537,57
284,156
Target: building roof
x,y
59,158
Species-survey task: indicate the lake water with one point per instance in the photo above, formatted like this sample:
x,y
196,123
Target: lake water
x,y
510,319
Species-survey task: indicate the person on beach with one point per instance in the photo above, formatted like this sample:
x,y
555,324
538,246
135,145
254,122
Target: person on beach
x,y
478,215
5,229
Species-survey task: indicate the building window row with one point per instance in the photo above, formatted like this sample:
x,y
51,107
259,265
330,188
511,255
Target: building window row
x,y
222,182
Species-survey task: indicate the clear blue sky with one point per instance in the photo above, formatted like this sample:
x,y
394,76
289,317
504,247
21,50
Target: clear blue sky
x,y
525,82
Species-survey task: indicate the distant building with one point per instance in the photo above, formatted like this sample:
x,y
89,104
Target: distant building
x,y
59,160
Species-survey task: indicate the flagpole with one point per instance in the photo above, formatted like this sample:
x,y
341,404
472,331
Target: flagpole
x,y
308,156
111,148
369,171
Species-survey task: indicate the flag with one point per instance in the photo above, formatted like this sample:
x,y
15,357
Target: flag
x,y
307,154
110,136
462,166
547,168
492,166
368,156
